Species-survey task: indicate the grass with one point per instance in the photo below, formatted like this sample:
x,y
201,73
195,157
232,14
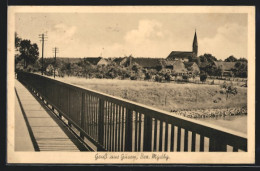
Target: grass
x,y
165,96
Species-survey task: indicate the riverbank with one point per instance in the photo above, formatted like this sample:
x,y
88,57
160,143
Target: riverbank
x,y
166,96
209,113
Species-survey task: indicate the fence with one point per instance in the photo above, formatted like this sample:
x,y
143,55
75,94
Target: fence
x,y
115,124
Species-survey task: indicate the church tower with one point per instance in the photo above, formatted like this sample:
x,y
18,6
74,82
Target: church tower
x,y
195,45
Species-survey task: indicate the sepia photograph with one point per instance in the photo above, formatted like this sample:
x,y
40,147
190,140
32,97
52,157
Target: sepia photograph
x,y
131,84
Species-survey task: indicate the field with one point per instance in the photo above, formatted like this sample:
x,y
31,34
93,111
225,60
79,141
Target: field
x,y
165,96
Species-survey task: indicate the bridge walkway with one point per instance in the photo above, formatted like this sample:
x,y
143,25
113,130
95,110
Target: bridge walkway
x,y
38,128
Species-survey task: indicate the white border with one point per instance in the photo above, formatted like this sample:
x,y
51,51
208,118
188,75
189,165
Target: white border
x,y
175,157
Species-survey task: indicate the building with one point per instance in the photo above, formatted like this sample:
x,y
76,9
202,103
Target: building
x,y
226,67
184,56
148,63
177,67
96,60
192,67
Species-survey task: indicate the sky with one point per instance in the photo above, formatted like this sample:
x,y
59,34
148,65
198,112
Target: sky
x,y
136,34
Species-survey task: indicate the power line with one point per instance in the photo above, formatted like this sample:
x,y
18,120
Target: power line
x,y
55,50
42,39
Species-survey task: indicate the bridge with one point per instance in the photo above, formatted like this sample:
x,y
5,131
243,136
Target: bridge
x,y
65,117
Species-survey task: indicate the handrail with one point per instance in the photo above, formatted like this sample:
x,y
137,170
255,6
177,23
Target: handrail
x,y
116,124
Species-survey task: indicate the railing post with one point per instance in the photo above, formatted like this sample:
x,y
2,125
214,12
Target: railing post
x,y
217,145
101,122
147,133
82,116
128,130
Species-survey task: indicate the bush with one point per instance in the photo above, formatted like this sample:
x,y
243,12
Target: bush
x,y
228,89
224,85
133,77
185,78
158,78
231,90
167,77
203,77
148,76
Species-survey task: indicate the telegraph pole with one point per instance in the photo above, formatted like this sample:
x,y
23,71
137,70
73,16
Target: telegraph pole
x,y
42,39
55,50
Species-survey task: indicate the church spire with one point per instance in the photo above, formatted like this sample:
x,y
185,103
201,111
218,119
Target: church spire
x,y
195,45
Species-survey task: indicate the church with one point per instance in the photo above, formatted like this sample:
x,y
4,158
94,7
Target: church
x,y
184,56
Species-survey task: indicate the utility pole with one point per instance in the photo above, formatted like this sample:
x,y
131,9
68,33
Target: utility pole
x,y
55,51
42,39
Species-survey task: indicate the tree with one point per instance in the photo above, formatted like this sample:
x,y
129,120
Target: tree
x,y
242,60
231,59
203,77
240,69
210,58
28,52
17,47
207,58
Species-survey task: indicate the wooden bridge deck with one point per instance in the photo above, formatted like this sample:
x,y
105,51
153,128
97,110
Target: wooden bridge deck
x,y
46,131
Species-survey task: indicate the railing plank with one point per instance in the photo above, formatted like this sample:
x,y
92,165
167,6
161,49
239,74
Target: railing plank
x,y
155,135
179,139
112,126
123,128
109,125
161,136
172,138
147,133
139,131
201,143
101,121
82,120
186,140
119,129
128,130
135,131
166,137
193,141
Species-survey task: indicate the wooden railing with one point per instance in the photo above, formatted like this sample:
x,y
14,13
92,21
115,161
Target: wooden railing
x,y
115,124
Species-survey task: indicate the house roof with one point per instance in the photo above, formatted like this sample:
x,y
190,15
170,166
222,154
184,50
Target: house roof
x,y
93,60
179,67
180,54
118,60
189,64
148,62
67,59
168,62
225,65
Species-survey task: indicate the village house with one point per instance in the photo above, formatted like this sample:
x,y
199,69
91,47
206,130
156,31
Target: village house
x,y
97,60
121,61
146,63
192,68
176,67
226,67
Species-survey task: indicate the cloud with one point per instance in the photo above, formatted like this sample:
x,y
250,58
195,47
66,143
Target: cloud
x,y
63,37
148,30
63,33
148,39
230,39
